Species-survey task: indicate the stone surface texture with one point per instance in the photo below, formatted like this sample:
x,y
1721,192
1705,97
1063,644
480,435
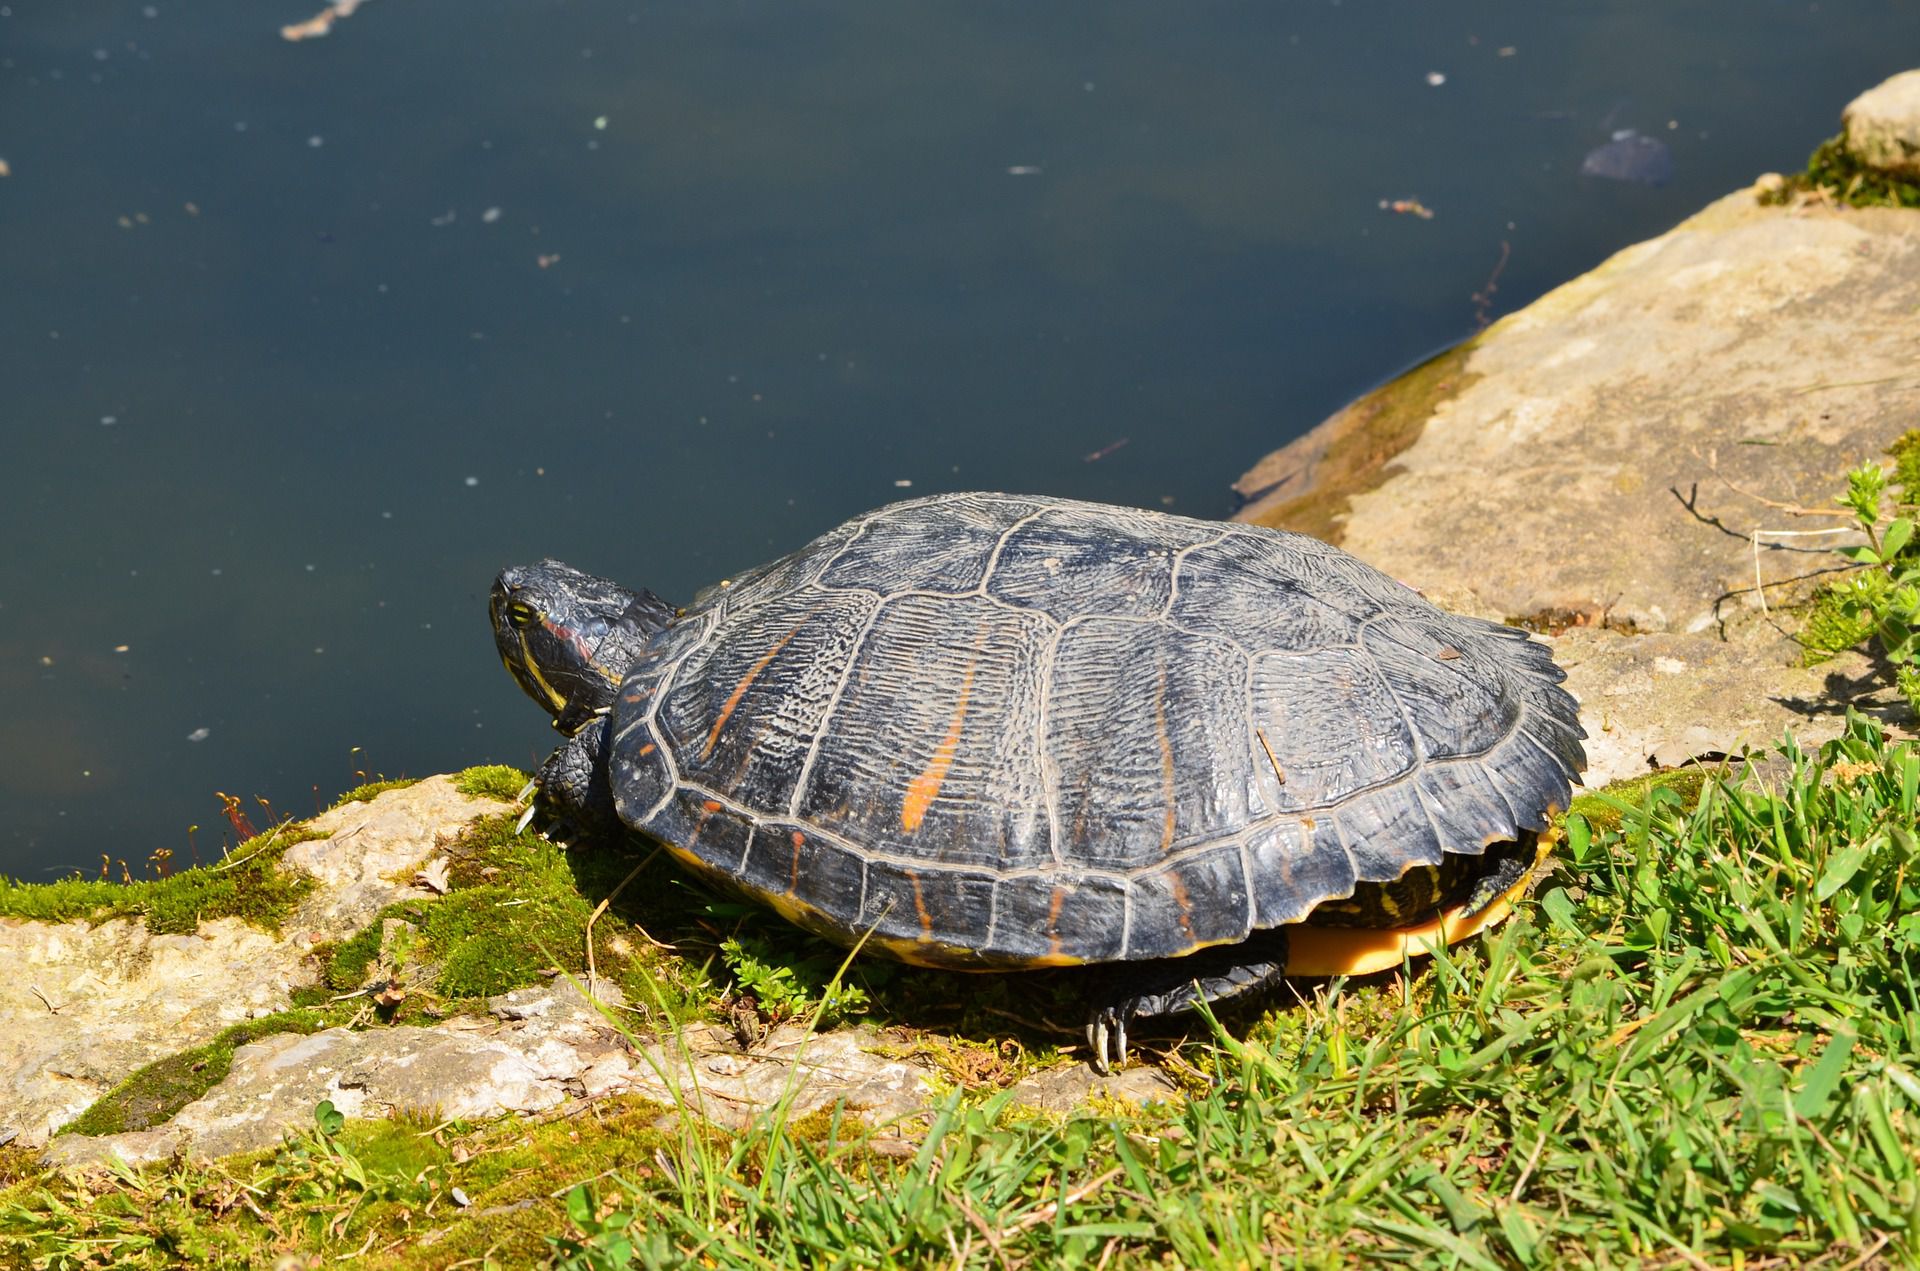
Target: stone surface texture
x,y
83,1006
1609,456
1883,126
535,1050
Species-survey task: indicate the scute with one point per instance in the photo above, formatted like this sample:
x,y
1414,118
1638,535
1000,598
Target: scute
x,y
998,730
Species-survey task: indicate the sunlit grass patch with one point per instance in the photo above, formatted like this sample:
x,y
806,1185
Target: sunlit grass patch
x,y
1702,1048
492,781
367,792
247,884
1709,1053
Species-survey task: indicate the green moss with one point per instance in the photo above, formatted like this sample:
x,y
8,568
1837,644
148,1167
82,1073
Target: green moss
x,y
516,910
373,789
1831,624
1362,441
1602,815
248,884
1835,171
493,939
1905,453
1840,615
492,781
153,1094
350,962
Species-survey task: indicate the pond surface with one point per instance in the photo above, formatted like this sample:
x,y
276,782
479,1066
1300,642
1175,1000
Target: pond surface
x,y
304,340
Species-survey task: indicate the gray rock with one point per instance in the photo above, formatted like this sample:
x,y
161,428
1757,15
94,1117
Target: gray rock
x,y
1883,126
1061,1090
538,1048
1610,454
82,1007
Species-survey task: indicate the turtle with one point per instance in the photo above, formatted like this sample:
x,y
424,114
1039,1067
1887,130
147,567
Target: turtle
x,y
998,732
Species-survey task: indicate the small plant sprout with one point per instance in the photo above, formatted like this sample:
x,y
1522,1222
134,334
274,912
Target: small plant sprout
x,y
1882,599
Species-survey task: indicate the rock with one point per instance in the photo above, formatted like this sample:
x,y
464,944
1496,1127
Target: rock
x,y
1664,699
1062,1090
536,1049
1883,126
1630,157
373,849
83,1006
1606,457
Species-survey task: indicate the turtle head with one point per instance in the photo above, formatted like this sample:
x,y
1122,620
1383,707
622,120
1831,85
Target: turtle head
x,y
568,637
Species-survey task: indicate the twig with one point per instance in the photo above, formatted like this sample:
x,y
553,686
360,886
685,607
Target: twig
x,y
959,1250
1526,1171
1867,1253
979,1224
1821,388
1483,298
1047,1211
1037,1025
1279,776
35,989
593,987
349,1257
1760,588
1712,460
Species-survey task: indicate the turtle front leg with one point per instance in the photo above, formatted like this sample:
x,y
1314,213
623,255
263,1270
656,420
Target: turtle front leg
x,y
1152,990
573,782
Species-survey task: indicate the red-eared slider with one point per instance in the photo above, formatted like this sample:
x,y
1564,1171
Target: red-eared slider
x,y
995,732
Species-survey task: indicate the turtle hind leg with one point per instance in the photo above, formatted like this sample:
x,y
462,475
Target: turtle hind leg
x,y
1128,991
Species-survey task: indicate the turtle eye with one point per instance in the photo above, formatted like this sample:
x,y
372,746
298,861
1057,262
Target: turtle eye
x,y
521,615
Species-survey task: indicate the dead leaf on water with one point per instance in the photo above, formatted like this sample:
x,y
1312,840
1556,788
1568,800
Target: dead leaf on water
x,y
322,22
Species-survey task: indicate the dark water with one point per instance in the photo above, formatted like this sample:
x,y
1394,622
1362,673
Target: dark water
x,y
303,341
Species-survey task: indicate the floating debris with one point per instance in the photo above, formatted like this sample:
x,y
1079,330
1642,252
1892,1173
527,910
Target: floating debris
x,y
1097,455
322,22
1630,157
1407,207
1025,170
200,734
1435,79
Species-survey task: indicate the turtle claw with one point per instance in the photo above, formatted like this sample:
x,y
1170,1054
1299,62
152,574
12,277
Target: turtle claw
x,y
526,790
525,818
1107,1037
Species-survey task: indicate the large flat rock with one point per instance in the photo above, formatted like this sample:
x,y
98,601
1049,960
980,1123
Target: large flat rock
x,y
84,1005
536,1049
1625,453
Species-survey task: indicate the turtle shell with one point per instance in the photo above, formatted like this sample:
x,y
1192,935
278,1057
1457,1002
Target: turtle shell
x,y
997,730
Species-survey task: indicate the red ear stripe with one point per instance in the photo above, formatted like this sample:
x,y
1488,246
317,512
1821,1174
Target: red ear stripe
x,y
571,636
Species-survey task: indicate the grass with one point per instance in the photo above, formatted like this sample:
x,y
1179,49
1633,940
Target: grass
x,y
371,790
248,884
1835,172
1703,1050
492,781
